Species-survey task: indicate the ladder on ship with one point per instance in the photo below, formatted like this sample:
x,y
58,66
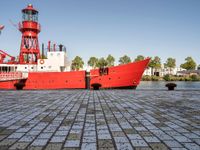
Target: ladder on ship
x,y
9,76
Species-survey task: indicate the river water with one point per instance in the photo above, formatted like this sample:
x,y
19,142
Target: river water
x,y
160,85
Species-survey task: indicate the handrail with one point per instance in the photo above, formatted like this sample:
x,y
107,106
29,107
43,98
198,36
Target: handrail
x,y
7,76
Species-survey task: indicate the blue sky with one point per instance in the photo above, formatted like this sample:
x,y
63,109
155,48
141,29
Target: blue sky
x,y
166,28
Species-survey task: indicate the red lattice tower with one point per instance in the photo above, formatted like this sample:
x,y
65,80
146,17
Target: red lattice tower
x,y
30,28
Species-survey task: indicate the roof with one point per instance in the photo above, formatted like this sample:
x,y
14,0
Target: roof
x,y
29,7
189,71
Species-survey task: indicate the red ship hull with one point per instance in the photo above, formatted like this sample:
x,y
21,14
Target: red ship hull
x,y
122,76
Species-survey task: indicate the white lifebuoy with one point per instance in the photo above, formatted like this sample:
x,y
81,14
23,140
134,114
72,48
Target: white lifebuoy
x,y
41,61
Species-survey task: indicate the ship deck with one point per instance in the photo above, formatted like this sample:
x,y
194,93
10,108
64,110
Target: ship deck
x,y
105,119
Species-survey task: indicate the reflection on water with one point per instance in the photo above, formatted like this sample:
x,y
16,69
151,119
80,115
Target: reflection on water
x,y
161,85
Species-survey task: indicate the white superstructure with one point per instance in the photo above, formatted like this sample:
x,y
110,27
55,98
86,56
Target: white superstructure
x,y
56,61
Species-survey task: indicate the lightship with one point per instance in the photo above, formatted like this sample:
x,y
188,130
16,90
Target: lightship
x,y
33,72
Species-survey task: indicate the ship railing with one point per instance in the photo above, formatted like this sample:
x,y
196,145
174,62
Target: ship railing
x,y
7,76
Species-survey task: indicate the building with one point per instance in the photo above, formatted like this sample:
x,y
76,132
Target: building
x,y
163,71
189,72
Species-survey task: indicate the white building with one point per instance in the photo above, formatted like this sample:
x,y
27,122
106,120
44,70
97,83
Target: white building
x,y
163,71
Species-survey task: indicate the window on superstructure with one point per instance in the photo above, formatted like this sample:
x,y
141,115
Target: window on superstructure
x,y
30,15
4,69
12,69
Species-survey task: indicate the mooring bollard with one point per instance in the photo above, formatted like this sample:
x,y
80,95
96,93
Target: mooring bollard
x,y
171,86
96,86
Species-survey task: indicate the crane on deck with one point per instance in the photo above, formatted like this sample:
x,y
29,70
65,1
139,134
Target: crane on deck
x,y
1,28
3,56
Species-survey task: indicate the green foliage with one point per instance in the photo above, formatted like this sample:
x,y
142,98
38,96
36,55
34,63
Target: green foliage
x,y
180,78
150,78
102,63
139,58
146,78
170,78
151,63
93,61
189,64
155,78
167,77
77,63
195,77
170,63
124,60
110,60
155,63
187,79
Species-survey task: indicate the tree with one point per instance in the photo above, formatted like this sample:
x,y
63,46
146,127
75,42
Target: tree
x,y
170,63
151,65
77,63
93,62
189,64
139,57
110,60
124,59
102,63
155,64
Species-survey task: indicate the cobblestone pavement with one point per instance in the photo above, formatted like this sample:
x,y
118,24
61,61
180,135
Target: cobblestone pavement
x,y
107,119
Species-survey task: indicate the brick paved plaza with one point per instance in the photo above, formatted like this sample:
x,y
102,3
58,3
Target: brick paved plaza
x,y
107,119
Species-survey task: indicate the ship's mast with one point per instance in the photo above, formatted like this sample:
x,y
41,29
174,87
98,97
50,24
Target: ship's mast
x,y
30,28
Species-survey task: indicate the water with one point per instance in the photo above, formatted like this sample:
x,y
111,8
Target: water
x,y
161,85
